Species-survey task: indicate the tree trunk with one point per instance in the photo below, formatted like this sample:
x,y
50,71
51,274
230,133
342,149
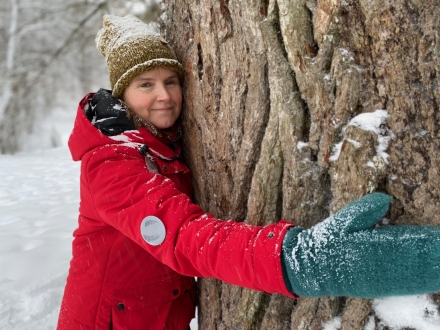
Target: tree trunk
x,y
270,94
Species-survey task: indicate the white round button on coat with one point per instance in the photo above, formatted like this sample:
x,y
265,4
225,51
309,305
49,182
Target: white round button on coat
x,y
153,230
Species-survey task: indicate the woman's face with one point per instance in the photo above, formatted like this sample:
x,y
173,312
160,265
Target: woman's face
x,y
155,96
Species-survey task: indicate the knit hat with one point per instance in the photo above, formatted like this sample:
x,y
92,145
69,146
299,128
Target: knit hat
x,y
131,47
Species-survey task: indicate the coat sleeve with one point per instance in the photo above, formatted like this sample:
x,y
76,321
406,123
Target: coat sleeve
x,y
195,244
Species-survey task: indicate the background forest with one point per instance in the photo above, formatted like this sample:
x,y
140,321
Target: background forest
x,y
48,61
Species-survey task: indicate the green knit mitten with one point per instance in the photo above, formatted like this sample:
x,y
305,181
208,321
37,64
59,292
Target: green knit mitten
x,y
344,256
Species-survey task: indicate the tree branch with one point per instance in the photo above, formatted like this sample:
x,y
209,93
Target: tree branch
x,y
60,49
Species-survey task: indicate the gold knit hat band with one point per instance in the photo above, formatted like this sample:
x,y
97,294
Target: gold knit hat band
x,y
131,47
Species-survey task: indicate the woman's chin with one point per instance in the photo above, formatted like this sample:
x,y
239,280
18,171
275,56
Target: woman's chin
x,y
163,125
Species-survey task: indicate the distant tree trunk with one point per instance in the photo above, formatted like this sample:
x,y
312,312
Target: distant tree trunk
x,y
270,89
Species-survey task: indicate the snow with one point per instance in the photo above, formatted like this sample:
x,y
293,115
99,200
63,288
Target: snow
x,y
301,145
373,122
398,313
415,312
336,152
39,202
128,28
39,196
355,143
333,324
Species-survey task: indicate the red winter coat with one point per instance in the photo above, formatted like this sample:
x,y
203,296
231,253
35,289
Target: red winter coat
x,y
124,275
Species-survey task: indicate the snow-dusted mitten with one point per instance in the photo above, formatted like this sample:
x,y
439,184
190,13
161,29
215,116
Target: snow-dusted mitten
x,y
344,256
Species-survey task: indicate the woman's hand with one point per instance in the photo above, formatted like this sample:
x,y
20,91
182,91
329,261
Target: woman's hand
x,y
344,256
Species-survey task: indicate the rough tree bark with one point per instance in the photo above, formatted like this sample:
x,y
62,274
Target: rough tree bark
x,y
270,89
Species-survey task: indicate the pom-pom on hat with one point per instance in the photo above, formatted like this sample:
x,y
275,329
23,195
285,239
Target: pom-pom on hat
x,y
131,47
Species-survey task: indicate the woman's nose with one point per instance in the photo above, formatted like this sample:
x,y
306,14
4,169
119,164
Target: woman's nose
x,y
162,93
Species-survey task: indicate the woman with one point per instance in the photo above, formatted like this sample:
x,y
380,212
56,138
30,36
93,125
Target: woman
x,y
140,240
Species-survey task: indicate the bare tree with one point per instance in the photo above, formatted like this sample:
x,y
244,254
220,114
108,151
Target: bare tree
x,y
50,58
38,34
276,95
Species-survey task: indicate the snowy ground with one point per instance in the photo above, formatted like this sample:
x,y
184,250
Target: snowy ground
x,y
39,205
38,210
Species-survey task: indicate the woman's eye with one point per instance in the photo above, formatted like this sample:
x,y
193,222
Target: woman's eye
x,y
146,85
171,82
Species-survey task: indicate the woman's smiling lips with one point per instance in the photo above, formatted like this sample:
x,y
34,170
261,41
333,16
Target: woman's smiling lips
x,y
163,109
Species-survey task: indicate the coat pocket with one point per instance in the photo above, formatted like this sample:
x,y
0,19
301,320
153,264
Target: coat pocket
x,y
152,306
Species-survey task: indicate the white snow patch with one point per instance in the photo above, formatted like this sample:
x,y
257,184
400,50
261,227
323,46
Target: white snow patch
x,y
371,164
118,107
120,137
336,152
128,28
370,121
355,143
301,145
373,122
103,119
127,139
416,312
333,324
370,325
39,197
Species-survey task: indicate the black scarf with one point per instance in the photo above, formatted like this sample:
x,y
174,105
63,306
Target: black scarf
x,y
108,114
